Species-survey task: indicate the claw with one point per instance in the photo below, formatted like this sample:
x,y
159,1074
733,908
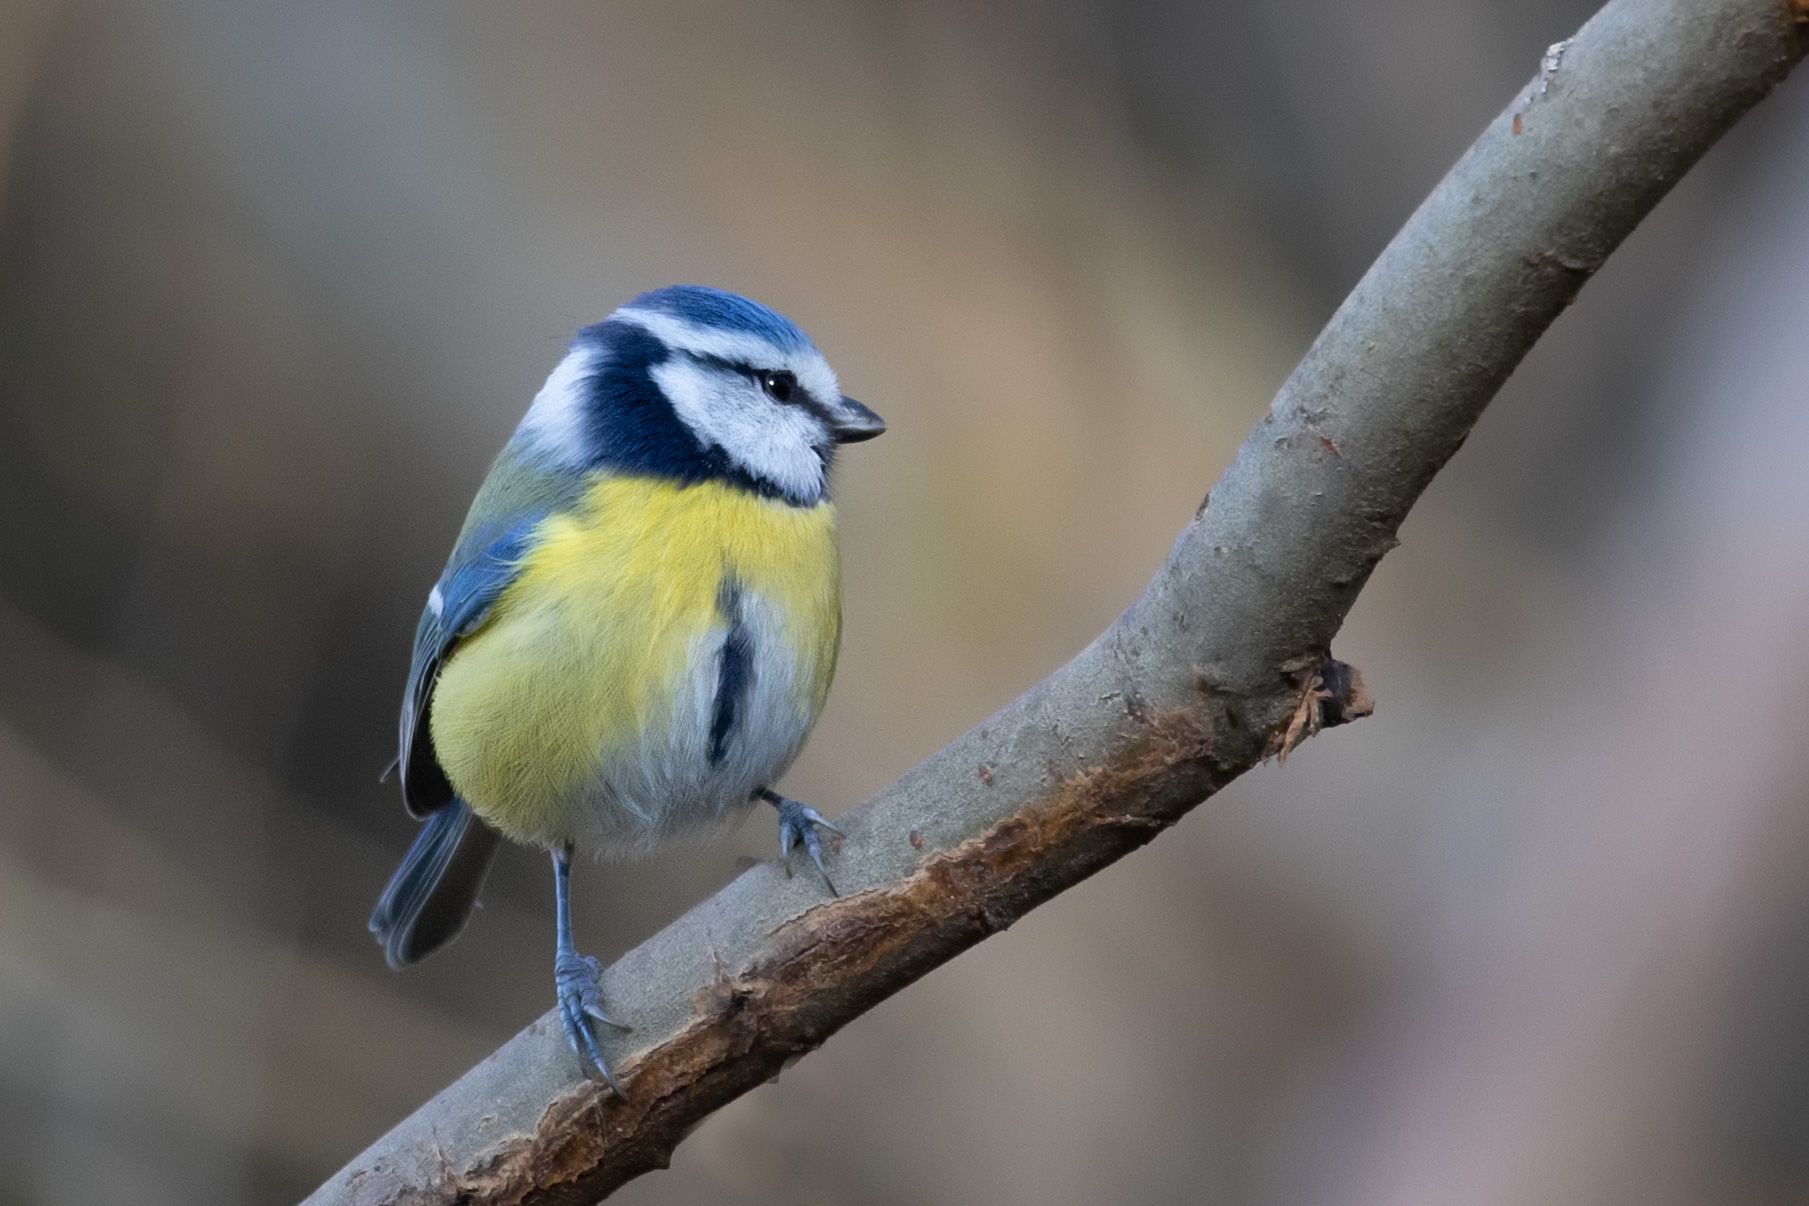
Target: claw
x,y
798,824
578,981
600,1016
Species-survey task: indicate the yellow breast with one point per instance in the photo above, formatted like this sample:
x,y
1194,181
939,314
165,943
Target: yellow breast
x,y
589,666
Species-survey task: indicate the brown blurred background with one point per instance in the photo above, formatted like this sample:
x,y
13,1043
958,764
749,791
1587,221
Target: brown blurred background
x,y
277,279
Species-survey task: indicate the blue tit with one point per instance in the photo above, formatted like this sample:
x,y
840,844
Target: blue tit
x,y
639,621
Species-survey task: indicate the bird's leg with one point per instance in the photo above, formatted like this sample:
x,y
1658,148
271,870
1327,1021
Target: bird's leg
x,y
798,825
578,979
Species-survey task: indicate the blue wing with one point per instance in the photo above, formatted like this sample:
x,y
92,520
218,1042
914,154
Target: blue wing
x,y
459,605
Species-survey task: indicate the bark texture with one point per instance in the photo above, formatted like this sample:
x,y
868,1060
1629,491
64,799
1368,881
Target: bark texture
x,y
1222,662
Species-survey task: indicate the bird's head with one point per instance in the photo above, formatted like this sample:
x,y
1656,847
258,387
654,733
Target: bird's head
x,y
697,383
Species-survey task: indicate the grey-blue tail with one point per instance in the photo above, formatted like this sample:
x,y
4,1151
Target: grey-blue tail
x,y
434,890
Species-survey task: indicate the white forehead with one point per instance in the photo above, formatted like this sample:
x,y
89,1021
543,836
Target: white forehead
x,y
741,347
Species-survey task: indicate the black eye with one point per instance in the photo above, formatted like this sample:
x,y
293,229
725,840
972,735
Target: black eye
x,y
779,384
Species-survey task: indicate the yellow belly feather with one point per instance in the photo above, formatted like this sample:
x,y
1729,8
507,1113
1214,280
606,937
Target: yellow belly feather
x,y
587,650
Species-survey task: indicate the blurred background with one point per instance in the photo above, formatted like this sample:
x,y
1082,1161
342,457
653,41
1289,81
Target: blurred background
x,y
276,280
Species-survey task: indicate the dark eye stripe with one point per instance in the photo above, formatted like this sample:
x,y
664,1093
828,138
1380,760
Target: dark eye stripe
x,y
800,397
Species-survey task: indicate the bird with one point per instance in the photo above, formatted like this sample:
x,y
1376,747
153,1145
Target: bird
x,y
638,624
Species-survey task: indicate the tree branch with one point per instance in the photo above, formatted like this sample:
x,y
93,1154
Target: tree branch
x,y
1221,663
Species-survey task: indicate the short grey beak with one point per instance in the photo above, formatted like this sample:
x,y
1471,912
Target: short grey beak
x,y
851,422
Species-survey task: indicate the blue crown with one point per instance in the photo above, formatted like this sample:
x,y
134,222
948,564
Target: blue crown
x,y
720,310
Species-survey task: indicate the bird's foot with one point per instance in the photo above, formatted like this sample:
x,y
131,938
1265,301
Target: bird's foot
x,y
578,979
798,825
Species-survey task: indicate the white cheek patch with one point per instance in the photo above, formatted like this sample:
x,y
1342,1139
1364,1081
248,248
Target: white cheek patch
x,y
553,428
772,441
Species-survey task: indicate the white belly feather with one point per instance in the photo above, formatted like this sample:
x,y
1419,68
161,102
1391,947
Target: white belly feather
x,y
681,776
